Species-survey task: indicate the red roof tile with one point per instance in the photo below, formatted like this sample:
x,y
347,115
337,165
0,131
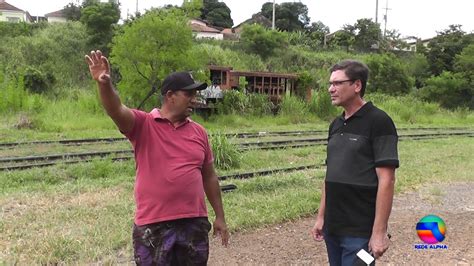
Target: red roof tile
x,y
58,13
6,6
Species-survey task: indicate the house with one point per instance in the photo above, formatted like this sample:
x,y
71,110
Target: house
x,y
9,13
413,42
56,16
255,19
204,31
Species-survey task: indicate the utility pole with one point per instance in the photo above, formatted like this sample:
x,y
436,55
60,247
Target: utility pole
x,y
376,11
273,16
136,8
385,18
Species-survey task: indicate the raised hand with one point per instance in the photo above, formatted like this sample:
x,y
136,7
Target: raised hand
x,y
98,66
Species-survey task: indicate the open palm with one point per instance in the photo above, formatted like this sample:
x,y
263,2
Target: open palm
x,y
98,66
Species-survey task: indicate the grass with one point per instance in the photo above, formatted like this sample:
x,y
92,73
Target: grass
x,y
83,213
79,115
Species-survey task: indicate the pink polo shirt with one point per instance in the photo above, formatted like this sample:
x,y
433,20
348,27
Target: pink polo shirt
x,y
169,161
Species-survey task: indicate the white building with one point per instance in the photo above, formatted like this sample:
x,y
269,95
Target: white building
x,y
203,31
9,13
56,16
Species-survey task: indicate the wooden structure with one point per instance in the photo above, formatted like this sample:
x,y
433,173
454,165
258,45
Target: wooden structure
x,y
275,85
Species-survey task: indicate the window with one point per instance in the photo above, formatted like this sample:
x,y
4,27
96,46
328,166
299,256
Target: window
x,y
13,19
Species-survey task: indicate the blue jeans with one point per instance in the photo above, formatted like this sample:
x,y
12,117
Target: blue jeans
x,y
342,250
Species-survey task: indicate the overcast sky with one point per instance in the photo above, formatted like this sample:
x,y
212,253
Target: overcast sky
x,y
420,18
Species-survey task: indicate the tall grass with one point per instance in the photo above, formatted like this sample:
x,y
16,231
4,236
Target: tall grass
x,y
295,109
226,154
408,109
320,104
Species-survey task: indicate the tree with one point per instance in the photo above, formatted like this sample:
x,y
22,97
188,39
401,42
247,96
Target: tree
x,y
192,8
367,34
343,38
99,19
289,16
464,64
150,48
443,49
72,12
388,74
216,13
450,90
418,68
258,40
317,32
392,41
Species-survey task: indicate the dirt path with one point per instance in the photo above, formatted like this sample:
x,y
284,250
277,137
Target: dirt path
x,y
290,243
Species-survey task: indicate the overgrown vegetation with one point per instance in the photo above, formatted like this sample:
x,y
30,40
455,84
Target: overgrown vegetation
x,y
226,153
81,212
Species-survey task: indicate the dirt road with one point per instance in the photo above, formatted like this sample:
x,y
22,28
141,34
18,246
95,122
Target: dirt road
x,y
290,243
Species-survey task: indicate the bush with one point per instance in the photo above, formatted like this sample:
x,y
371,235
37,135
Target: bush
x,y
37,81
388,75
418,68
258,105
217,55
321,105
226,154
233,102
294,108
258,40
13,97
450,90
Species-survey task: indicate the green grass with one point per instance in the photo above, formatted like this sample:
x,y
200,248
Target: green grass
x,y
83,213
79,115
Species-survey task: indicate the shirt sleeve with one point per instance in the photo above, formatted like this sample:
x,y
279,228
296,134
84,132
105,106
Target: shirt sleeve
x,y
385,142
140,118
208,156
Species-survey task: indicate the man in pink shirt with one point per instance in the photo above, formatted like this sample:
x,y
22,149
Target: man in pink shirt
x,y
174,171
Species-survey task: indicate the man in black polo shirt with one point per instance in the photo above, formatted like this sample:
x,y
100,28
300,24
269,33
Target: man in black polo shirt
x,y
362,155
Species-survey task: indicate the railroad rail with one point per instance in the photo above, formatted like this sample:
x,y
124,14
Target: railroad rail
x,y
21,163
236,135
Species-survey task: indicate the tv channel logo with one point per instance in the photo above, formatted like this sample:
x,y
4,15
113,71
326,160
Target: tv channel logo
x,y
431,229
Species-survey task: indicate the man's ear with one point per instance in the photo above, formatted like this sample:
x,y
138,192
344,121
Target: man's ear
x,y
358,84
169,96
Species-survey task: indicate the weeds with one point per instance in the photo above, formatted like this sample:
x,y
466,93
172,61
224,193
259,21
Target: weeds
x,y
226,154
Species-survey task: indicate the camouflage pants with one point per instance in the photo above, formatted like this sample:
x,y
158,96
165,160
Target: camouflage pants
x,y
176,242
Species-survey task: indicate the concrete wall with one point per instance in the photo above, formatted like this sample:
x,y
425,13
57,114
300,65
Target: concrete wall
x,y
12,16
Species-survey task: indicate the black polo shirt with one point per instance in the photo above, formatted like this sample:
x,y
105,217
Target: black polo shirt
x,y
356,146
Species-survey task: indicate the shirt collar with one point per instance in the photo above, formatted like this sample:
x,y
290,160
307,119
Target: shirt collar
x,y
156,114
361,112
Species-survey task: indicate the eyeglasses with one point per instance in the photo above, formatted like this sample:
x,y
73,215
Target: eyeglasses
x,y
337,83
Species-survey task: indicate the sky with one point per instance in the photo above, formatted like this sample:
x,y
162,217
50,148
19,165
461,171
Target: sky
x,y
420,18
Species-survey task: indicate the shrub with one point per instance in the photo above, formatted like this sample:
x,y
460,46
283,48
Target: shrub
x,y
258,105
233,102
226,154
294,108
13,97
321,105
37,81
388,75
450,90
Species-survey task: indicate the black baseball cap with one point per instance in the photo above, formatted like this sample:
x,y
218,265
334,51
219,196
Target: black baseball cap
x,y
181,81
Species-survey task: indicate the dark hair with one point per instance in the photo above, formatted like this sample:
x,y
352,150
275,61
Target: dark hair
x,y
354,70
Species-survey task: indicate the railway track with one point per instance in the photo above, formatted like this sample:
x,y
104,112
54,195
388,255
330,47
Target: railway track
x,y
21,163
5,145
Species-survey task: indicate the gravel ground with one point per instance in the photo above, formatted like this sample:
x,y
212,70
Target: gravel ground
x,y
290,243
